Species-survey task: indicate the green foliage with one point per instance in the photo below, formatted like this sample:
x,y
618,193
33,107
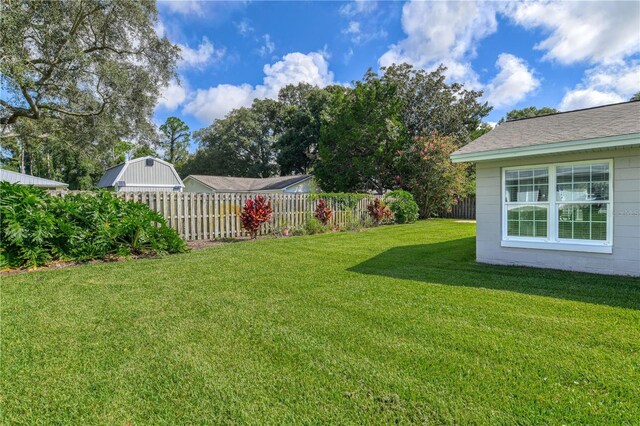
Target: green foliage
x,y
175,141
431,176
635,97
527,112
78,79
402,205
339,200
241,144
362,132
38,228
82,59
313,226
299,132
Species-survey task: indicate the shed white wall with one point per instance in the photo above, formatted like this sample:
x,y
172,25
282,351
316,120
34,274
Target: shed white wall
x,y
138,172
625,258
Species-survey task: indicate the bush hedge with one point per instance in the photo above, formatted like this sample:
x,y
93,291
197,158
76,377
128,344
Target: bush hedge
x,y
37,228
402,205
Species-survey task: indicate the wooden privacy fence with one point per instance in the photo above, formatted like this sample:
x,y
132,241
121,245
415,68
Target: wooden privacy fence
x,y
465,209
205,216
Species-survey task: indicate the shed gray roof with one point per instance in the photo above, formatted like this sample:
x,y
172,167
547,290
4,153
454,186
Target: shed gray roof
x,y
24,179
110,175
582,124
231,184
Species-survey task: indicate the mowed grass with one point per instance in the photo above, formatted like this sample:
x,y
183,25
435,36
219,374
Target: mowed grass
x,y
394,324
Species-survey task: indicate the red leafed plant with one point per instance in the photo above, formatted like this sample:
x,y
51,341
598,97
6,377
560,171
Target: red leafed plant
x,y
323,212
255,213
378,211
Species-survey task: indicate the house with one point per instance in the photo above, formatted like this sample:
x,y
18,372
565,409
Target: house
x,y
142,174
24,179
560,191
280,184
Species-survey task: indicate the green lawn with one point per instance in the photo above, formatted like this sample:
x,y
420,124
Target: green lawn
x,y
393,324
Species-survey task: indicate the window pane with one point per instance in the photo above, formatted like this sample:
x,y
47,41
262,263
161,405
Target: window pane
x,y
582,183
582,221
527,221
527,185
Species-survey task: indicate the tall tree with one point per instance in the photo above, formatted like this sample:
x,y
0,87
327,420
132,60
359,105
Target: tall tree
x,y
175,140
361,137
635,97
82,59
241,144
431,105
527,112
299,127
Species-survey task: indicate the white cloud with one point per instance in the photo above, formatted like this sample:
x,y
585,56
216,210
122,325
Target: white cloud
x,y
443,32
353,28
172,96
202,55
585,98
513,82
604,84
358,35
269,46
244,27
358,7
594,31
216,102
185,7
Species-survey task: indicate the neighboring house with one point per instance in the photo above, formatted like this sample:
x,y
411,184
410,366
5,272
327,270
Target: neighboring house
x,y
24,179
283,184
142,174
560,191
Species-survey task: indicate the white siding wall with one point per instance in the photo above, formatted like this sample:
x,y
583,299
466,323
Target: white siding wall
x,y
625,259
158,174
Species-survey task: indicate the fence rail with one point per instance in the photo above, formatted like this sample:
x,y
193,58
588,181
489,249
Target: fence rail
x,y
465,209
206,216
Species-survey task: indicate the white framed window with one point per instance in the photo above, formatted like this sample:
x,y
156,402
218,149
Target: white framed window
x,y
564,206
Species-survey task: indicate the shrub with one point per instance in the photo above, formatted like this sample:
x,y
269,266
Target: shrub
x,y
323,212
255,213
314,226
378,211
402,205
37,228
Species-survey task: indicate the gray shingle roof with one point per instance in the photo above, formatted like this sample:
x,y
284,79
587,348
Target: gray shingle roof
x,y
24,179
108,179
231,184
591,123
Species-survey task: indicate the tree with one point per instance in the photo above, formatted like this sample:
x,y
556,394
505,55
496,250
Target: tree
x,y
635,97
299,126
82,59
241,144
428,173
528,112
360,136
175,140
431,105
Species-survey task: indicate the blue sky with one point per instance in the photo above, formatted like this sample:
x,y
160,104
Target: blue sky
x,y
565,55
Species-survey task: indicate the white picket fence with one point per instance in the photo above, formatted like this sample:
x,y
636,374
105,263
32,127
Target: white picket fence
x,y
204,216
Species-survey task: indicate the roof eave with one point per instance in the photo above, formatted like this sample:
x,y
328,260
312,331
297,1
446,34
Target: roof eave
x,y
546,149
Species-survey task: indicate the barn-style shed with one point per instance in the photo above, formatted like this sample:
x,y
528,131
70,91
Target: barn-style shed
x,y
142,174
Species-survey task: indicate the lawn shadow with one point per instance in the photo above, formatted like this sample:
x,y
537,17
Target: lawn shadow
x,y
453,263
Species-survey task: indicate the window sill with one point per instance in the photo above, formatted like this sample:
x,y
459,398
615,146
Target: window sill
x,y
562,246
